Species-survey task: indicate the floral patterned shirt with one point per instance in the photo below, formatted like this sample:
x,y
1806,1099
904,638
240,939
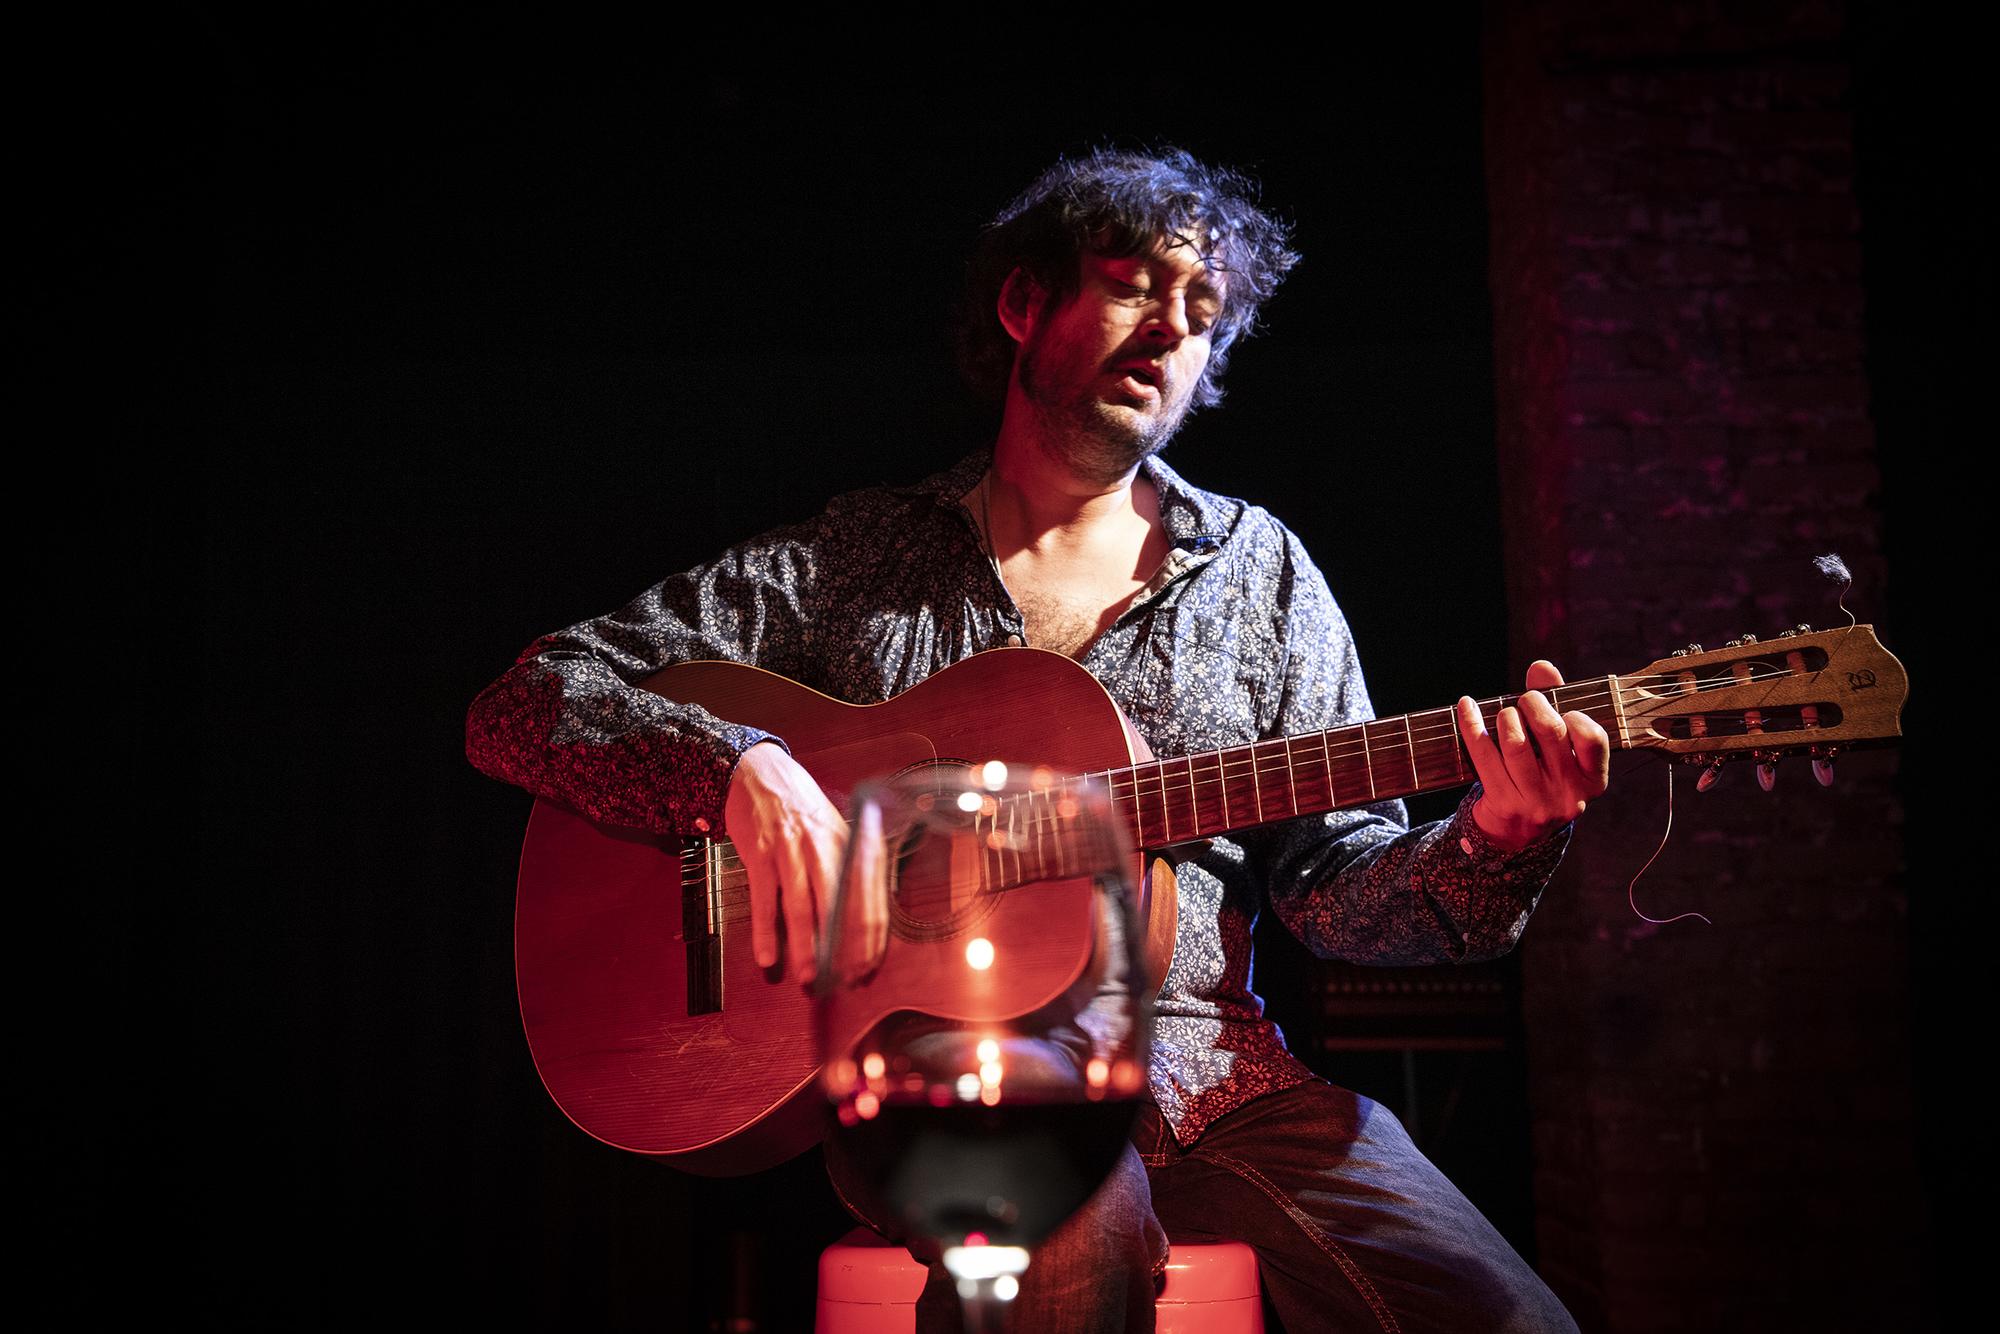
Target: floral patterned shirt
x,y
1235,639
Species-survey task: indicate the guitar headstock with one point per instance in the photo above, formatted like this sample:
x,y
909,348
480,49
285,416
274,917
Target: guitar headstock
x,y
1802,692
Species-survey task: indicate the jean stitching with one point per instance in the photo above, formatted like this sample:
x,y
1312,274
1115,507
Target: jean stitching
x,y
1317,1237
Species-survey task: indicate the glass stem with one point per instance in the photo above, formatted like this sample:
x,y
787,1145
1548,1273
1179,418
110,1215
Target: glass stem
x,y
985,1311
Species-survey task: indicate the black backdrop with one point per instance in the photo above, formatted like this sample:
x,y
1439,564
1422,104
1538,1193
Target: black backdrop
x,y
485,325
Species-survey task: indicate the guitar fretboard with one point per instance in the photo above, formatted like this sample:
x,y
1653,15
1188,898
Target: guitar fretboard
x,y
1221,791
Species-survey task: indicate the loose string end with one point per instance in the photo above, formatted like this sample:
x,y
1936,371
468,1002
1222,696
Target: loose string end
x,y
1834,568
1632,889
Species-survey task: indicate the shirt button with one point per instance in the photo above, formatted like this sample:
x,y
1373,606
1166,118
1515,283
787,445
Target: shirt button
x,y
1014,641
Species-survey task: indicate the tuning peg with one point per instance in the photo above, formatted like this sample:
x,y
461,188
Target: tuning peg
x,y
1823,770
1708,777
1767,775
1684,652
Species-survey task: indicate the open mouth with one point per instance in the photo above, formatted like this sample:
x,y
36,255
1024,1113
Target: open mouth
x,y
1140,379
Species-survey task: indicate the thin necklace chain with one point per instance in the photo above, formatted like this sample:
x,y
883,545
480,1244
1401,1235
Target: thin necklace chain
x,y
986,527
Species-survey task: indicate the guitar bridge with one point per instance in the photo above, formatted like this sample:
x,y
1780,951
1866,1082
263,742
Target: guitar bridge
x,y
701,921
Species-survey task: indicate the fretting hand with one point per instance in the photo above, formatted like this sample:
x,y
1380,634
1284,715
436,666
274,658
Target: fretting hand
x,y
1538,767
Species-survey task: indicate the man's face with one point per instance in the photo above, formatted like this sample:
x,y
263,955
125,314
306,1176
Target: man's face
x,y
1111,373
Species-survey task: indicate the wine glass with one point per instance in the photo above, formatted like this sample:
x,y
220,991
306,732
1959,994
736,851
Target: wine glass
x,y
982,1066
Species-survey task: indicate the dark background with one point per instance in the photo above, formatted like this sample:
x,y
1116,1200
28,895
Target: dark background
x,y
483,325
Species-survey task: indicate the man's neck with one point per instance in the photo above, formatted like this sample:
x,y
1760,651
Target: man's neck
x,y
1048,507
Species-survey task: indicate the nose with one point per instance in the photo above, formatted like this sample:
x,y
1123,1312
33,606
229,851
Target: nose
x,y
1169,320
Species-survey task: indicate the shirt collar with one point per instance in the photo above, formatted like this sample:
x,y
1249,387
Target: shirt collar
x,y
1195,520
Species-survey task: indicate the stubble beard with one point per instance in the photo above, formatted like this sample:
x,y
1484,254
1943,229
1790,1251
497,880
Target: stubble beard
x,y
1095,440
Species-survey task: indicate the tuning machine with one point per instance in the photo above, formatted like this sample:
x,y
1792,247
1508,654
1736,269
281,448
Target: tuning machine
x,y
1711,772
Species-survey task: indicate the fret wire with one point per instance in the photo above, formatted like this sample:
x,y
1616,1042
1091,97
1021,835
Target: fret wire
x,y
1256,787
1139,809
1458,755
1014,841
1052,834
985,851
1058,831
1326,767
1055,833
1195,801
1291,778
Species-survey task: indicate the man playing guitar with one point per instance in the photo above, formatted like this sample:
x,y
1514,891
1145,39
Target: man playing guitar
x,y
1106,300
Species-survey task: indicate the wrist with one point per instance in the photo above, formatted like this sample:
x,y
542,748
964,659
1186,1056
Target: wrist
x,y
1505,833
749,771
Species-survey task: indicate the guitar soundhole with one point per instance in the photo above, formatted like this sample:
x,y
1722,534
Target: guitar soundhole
x,y
938,883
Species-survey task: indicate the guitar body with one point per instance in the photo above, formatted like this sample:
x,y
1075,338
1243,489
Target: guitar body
x,y
605,917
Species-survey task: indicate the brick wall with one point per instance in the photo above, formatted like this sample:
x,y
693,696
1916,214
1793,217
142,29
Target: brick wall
x,y
1723,1119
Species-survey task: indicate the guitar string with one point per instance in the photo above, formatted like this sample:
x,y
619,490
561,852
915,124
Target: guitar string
x,y
922,901
1334,746
1232,764
1422,728
1632,886
1208,772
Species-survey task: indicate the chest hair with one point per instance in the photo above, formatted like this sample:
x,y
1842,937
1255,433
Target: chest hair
x,y
1066,606
1066,625
1067,599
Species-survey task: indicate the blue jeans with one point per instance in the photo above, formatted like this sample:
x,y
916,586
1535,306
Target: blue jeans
x,y
1354,1229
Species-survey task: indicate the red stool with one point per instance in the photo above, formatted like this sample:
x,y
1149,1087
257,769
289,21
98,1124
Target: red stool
x,y
870,1286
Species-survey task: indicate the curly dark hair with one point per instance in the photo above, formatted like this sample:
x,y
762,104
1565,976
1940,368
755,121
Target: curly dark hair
x,y
1117,203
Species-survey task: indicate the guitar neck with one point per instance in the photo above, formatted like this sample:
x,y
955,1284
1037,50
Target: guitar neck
x,y
1800,692
1241,787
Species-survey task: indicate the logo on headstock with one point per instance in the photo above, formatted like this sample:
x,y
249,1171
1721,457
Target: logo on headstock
x,y
1861,680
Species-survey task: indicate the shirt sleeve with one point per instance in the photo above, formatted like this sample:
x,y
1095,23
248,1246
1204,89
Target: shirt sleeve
x,y
570,721
1358,884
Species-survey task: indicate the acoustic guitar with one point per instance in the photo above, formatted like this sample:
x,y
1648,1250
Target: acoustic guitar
x,y
655,1031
